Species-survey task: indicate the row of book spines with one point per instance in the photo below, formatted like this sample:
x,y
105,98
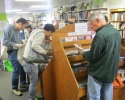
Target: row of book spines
x,y
118,17
76,38
122,33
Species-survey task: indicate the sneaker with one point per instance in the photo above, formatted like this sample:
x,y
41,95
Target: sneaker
x,y
1,98
39,99
16,92
24,86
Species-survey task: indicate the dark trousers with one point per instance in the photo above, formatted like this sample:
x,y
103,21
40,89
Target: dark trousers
x,y
17,70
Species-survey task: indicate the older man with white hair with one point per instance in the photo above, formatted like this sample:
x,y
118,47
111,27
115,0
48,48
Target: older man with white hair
x,y
103,58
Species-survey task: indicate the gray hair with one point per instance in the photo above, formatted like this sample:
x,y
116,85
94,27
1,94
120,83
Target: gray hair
x,y
94,16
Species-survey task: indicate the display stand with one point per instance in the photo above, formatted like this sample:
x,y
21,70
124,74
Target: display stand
x,y
57,26
59,80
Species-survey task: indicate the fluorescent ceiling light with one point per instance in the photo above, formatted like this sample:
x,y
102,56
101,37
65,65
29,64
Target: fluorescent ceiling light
x,y
13,10
40,6
22,12
30,0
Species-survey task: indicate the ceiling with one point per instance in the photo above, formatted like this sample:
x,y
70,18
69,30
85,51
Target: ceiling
x,y
25,6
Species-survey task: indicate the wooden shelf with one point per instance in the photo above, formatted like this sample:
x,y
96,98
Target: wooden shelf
x,y
117,10
81,73
119,93
75,58
121,63
82,19
87,10
82,92
71,44
117,21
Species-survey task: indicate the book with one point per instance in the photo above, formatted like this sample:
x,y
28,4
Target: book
x,y
62,39
79,68
87,37
81,37
71,52
82,84
78,46
70,39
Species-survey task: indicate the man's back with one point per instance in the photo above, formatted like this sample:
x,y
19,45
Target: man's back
x,y
34,42
105,52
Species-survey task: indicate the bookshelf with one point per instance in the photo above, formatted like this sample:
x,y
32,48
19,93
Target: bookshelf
x,y
82,10
117,18
61,79
82,15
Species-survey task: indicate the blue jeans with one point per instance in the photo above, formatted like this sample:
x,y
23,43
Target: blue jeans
x,y
98,89
32,72
17,70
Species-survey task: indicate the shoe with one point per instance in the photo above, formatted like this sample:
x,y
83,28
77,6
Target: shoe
x,y
39,99
16,92
24,86
1,98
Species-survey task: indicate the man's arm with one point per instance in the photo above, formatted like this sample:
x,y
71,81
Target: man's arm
x,y
6,37
95,51
36,45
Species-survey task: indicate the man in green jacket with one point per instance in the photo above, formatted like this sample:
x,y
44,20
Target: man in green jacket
x,y
103,58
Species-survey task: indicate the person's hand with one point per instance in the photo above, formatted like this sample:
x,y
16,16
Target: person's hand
x,y
79,45
49,53
79,50
23,45
26,41
47,41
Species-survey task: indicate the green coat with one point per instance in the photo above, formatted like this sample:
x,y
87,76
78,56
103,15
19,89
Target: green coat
x,y
104,54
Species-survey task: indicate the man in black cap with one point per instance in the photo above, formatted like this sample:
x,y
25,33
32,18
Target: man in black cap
x,y
36,44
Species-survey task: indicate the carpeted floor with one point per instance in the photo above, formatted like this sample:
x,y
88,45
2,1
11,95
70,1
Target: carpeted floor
x,y
5,88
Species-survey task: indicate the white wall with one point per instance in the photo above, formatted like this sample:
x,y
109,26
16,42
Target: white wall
x,y
2,6
49,17
122,5
14,17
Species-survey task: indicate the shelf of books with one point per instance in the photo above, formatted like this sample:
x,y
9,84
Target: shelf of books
x,y
65,78
117,19
82,15
82,10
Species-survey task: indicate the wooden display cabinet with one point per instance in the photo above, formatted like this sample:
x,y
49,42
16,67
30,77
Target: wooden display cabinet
x,y
59,80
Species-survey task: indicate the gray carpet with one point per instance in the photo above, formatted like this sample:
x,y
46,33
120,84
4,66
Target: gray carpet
x,y
5,88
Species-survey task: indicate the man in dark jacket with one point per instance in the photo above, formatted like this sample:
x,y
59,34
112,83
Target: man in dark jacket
x,y
103,58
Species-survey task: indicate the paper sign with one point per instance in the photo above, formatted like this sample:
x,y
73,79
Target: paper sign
x,y
76,33
72,33
81,27
61,25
